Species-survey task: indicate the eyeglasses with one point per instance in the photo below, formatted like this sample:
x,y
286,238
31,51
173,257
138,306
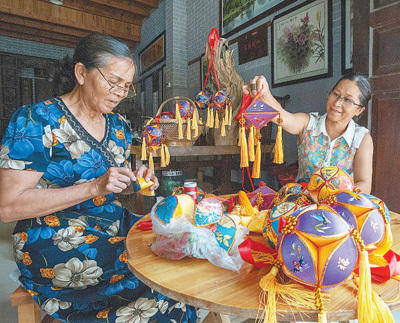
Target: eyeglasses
x,y
116,87
346,101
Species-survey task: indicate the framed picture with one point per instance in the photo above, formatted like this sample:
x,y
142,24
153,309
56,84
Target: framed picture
x,y
152,53
236,15
253,44
302,43
347,35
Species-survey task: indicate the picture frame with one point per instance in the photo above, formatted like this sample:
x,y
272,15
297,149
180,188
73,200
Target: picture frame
x,y
153,53
301,48
253,44
234,18
347,36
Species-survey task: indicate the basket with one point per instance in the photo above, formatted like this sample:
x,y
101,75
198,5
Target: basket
x,y
170,126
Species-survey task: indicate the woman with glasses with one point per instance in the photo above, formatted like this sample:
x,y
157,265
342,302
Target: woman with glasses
x,y
332,139
62,161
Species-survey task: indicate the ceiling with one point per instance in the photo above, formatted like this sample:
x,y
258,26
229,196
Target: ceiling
x,y
64,25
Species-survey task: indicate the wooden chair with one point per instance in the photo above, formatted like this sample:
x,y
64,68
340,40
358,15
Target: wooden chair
x,y
28,310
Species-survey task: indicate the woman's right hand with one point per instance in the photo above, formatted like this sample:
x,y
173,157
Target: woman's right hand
x,y
257,84
115,180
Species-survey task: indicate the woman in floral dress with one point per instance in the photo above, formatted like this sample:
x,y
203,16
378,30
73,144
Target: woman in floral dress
x,y
62,161
332,139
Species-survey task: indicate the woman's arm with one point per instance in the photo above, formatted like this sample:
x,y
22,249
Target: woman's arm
x,y
363,164
294,123
20,199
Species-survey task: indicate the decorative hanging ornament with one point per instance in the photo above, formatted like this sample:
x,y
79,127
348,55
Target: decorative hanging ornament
x,y
253,115
153,139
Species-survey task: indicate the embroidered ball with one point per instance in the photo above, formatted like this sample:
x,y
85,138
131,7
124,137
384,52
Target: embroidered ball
x,y
221,100
153,135
316,247
328,180
202,99
185,109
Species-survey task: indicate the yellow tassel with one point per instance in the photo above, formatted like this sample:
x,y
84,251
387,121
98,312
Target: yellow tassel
x,y
178,117
365,305
240,136
167,156
144,151
162,155
382,312
257,163
278,149
188,130
294,295
230,115
211,118
226,118
319,305
195,125
322,318
151,162
251,144
244,158
223,132
216,123
246,209
263,257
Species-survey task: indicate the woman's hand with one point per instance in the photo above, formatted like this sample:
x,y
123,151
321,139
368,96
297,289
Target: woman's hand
x,y
148,175
257,84
115,180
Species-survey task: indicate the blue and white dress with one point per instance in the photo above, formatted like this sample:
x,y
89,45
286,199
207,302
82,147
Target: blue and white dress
x,y
74,262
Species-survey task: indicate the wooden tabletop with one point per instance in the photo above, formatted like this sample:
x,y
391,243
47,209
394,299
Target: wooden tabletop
x,y
199,283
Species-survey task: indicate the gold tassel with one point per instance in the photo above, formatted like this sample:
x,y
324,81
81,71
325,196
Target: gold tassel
x,y
382,312
240,136
244,158
251,144
278,149
178,117
223,132
188,130
246,209
144,151
226,118
211,118
319,305
257,163
195,125
230,115
294,295
167,156
162,155
216,125
151,162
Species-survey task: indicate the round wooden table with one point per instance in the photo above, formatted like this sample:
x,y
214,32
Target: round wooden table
x,y
199,283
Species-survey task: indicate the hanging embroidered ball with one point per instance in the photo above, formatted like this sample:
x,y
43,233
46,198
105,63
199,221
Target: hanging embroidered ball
x,y
185,109
202,99
361,213
167,115
153,135
316,247
328,180
221,100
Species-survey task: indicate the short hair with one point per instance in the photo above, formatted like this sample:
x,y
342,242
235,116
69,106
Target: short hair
x,y
362,83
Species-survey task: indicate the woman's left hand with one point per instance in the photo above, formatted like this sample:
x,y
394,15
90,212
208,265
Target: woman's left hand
x,y
148,175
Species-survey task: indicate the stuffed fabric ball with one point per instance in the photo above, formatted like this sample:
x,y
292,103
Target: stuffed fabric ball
x,y
316,247
221,100
328,180
202,99
153,135
185,109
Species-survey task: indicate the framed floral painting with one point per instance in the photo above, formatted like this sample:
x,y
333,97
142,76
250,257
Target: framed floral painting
x,y
302,43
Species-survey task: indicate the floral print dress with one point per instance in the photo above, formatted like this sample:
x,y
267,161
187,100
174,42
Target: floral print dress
x,y
317,150
74,262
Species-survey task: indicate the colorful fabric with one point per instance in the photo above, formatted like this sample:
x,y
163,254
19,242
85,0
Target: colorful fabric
x,y
316,149
74,262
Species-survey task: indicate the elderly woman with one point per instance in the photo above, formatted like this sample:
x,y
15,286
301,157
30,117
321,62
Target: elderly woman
x,y
332,139
62,162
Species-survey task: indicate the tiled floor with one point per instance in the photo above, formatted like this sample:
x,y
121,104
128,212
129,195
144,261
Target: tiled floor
x,y
8,314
